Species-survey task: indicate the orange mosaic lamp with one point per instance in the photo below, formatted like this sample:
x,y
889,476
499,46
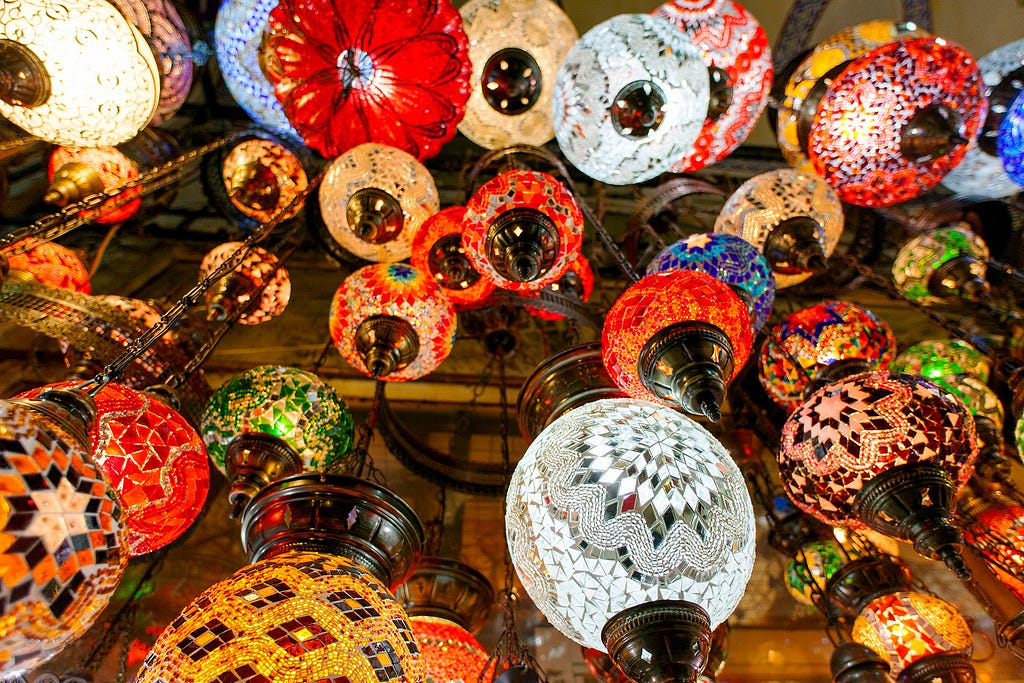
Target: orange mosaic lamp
x,y
233,294
437,249
50,264
577,283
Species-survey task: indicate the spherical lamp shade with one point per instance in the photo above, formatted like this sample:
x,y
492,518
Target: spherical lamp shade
x,y
808,574
374,198
621,502
154,461
234,294
681,309
941,265
52,265
92,79
294,617
821,343
896,120
1018,434
62,554
1010,143
904,627
450,653
998,534
630,99
343,82
578,283
983,403
437,249
516,47
291,404
729,259
109,166
522,230
936,358
735,50
793,217
237,34
392,321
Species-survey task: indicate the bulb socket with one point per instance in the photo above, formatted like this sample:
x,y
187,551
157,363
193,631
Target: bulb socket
x,y
73,182
511,81
522,244
24,81
855,663
231,297
957,277
449,265
794,247
659,641
858,582
941,667
721,91
254,185
386,344
374,216
449,589
70,408
252,462
931,133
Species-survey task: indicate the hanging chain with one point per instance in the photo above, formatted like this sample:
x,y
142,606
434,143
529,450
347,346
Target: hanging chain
x,y
465,415
364,467
434,529
322,357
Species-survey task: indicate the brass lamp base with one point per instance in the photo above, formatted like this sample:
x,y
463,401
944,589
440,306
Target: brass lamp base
x,y
73,182
448,589
957,278
860,581
386,344
942,667
660,641
855,663
792,247
522,244
231,296
24,81
253,461
70,408
688,363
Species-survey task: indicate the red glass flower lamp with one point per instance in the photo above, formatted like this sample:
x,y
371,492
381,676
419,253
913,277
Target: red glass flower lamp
x,y
437,249
257,290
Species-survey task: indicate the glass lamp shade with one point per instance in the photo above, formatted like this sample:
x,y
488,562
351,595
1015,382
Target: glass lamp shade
x,y
793,217
983,403
153,460
1010,143
450,653
621,502
522,230
630,99
997,533
374,198
54,266
237,34
849,432
730,259
297,616
833,336
409,300
437,249
1018,434
62,554
516,47
937,358
903,627
862,141
342,83
101,83
820,560
113,169
940,265
290,404
258,269
578,282
735,51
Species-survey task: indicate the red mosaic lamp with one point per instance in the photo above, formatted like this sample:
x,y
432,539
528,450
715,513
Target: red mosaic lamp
x,y
577,283
523,229
256,291
437,249
50,264
392,321
677,337
342,82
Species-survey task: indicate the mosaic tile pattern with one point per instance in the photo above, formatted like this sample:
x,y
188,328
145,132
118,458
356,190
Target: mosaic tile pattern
x,y
663,299
997,533
152,459
384,168
1010,143
577,282
731,39
112,166
399,290
904,627
54,266
917,259
287,169
61,553
849,431
620,502
1018,434
450,653
261,267
449,221
763,202
288,403
975,394
820,560
727,258
523,190
808,340
935,358
295,618
625,49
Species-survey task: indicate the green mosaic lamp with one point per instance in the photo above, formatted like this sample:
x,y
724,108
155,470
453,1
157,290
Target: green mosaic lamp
x,y
271,422
936,358
940,266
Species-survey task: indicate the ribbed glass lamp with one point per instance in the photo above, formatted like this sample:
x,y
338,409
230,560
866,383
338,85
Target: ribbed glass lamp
x,y
936,358
233,294
1010,143
374,198
793,217
437,249
630,99
50,264
944,264
516,47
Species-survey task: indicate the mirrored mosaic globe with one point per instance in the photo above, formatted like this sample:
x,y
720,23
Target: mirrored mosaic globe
x,y
291,404
918,260
630,99
1010,143
298,616
262,270
620,502
451,654
437,249
935,358
53,265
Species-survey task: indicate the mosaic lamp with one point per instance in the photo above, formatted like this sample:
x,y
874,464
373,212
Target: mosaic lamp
x,y
343,83
997,534
730,259
522,230
515,47
89,79
806,575
947,263
272,421
632,531
937,358
152,460
256,291
735,51
62,555
1010,143
886,451
577,284
50,264
392,322
630,99
677,337
437,249
793,217
820,344
374,198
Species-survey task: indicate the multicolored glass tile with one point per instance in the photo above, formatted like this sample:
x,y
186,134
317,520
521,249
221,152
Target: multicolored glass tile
x,y
817,562
936,358
1010,143
917,260
450,653
997,533
262,268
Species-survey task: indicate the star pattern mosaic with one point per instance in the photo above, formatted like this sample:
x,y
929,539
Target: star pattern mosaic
x,y
917,259
261,267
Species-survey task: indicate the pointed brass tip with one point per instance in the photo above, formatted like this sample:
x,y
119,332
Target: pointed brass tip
x,y
55,197
816,263
238,501
709,406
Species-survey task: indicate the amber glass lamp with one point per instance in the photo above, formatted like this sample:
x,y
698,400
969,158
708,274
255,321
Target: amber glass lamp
x,y
256,291
437,249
